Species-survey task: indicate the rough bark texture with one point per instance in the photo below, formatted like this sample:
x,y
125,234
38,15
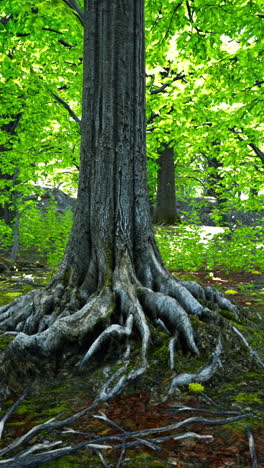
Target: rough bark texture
x,y
111,284
166,211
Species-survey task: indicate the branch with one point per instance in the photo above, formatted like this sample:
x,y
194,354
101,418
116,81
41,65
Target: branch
x,y
189,11
73,4
67,107
66,44
152,117
51,30
180,76
4,20
256,150
258,83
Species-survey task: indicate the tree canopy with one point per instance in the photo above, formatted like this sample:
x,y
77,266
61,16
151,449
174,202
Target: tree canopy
x,y
204,91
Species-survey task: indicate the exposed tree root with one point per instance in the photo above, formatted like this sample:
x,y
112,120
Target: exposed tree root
x,y
203,375
64,318
252,449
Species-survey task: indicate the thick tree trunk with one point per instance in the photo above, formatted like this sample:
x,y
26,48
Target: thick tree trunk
x,y
111,282
166,211
112,214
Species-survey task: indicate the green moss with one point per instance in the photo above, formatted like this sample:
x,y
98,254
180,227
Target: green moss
x,y
5,340
162,352
79,460
256,374
66,277
228,315
9,297
109,266
145,459
242,424
247,397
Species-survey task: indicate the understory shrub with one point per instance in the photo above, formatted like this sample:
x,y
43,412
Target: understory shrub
x,y
191,248
46,231
6,236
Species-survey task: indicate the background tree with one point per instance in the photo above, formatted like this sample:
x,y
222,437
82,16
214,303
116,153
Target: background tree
x,y
165,210
212,48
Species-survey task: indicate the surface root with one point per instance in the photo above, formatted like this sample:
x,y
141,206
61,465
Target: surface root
x,y
203,375
58,319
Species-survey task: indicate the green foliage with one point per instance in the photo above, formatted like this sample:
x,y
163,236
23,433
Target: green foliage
x,y
248,397
204,97
190,248
46,232
6,236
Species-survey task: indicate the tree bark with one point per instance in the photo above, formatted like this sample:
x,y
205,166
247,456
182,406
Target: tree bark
x,y
112,214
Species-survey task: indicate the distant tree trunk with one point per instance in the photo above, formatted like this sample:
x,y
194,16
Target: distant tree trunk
x,y
166,211
111,285
8,208
216,189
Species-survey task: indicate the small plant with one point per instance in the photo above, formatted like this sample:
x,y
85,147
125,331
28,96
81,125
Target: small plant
x,y
196,387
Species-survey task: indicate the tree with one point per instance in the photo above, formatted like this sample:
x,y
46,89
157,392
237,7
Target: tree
x,y
112,282
9,180
35,47
166,211
218,49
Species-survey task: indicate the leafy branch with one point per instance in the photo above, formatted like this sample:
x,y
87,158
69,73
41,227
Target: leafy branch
x,y
73,4
67,107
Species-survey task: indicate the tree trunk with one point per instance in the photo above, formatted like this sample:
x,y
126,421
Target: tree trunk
x,y
112,282
216,189
166,211
112,215
8,209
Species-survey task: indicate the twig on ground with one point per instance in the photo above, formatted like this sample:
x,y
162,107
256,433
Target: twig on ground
x,y
181,408
36,447
45,427
252,449
252,352
11,411
120,441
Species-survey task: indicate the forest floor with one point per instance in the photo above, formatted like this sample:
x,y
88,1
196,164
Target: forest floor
x,y
142,409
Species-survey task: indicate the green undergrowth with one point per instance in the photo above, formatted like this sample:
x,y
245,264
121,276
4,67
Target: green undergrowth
x,y
45,232
191,247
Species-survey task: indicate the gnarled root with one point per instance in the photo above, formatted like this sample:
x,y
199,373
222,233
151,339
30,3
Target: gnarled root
x,y
63,318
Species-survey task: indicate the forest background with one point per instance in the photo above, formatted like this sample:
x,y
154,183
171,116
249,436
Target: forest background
x,y
204,88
